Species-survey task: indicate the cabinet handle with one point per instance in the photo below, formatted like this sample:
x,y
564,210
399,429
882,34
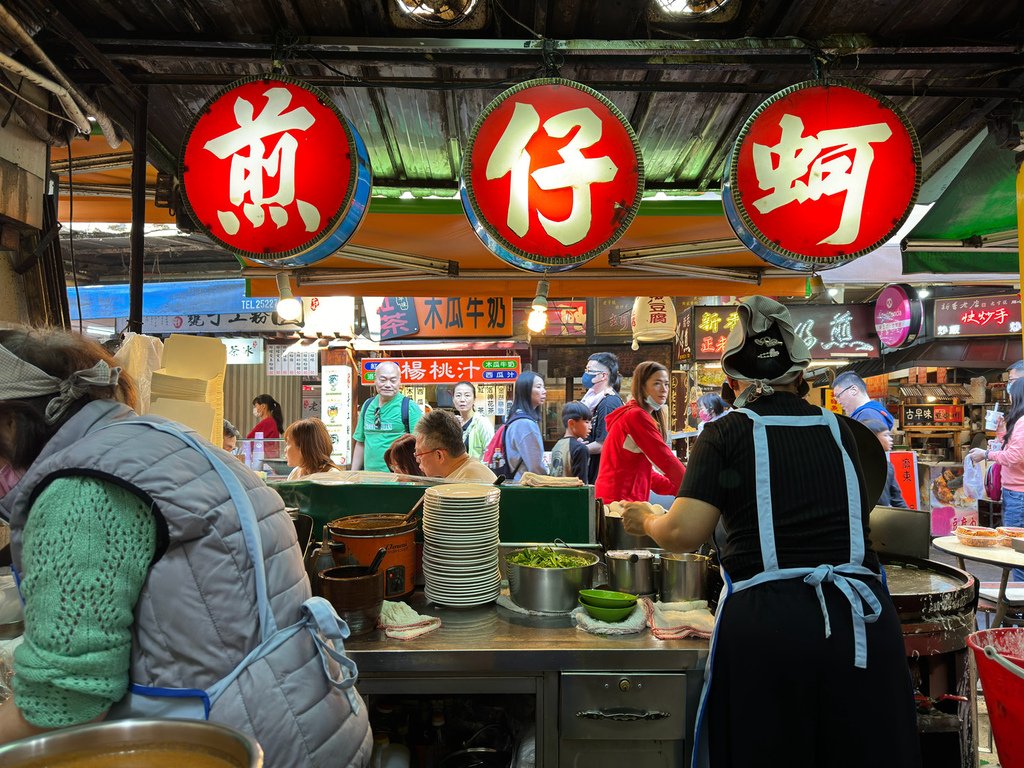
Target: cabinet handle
x,y
625,714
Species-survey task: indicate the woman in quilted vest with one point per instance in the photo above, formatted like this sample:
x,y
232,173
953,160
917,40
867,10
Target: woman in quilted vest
x,y
116,520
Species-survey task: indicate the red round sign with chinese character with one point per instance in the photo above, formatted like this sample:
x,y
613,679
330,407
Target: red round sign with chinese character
x,y
821,174
553,175
273,172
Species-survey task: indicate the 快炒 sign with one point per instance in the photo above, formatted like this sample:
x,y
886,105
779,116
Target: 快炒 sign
x,y
820,174
553,175
273,172
977,316
447,370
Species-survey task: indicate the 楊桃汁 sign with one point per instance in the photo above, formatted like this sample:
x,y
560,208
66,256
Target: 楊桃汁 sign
x,y
447,370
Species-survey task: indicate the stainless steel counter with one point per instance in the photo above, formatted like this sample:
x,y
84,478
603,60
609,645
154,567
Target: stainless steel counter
x,y
496,652
491,638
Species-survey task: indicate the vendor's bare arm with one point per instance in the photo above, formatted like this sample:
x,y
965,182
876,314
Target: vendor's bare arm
x,y
687,525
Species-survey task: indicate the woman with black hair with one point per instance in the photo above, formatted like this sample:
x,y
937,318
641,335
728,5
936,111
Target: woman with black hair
x,y
269,419
601,378
524,444
709,408
1011,458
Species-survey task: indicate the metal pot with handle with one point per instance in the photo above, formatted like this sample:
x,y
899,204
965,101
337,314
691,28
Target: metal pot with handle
x,y
684,577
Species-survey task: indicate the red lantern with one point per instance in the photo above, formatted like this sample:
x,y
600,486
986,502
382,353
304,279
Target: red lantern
x,y
273,172
553,175
821,173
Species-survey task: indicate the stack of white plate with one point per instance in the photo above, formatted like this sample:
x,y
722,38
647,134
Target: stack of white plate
x,y
460,544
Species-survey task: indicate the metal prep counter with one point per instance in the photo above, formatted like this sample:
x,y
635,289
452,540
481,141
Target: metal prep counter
x,y
599,700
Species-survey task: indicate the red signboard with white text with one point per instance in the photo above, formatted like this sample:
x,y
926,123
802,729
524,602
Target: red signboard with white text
x,y
447,370
821,173
553,175
273,172
977,316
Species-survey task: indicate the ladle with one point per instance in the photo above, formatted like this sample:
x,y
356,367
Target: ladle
x,y
412,512
377,560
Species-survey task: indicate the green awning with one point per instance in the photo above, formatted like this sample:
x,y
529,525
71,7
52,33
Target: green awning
x,y
980,201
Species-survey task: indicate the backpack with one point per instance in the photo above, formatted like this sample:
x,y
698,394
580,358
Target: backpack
x,y
496,453
405,412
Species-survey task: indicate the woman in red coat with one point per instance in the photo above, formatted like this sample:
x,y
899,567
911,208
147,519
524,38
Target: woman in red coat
x,y
636,458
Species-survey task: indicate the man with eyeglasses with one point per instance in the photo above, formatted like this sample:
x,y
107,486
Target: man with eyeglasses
x,y
383,419
851,392
440,451
601,379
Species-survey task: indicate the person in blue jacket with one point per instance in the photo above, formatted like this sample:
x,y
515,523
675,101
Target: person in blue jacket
x,y
851,393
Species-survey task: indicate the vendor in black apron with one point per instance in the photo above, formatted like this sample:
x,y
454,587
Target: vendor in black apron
x,y
807,665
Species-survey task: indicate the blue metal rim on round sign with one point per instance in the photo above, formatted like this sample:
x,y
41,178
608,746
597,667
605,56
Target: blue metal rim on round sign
x,y
749,234
342,225
509,252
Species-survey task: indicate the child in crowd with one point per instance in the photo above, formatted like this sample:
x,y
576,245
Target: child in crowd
x,y
569,457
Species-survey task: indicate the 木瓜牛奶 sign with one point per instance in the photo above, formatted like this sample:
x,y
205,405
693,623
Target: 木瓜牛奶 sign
x,y
447,370
977,315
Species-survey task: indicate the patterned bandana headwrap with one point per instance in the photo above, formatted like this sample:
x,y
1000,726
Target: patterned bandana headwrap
x,y
20,380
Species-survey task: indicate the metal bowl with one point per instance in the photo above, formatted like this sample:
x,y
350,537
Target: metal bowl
x,y
549,590
191,738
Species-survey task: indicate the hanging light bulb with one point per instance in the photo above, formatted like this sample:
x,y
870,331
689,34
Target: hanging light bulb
x,y
538,319
289,309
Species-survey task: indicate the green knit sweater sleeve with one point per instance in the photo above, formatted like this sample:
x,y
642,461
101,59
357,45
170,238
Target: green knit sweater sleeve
x,y
86,551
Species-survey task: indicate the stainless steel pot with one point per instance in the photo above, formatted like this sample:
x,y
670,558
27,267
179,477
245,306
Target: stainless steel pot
x,y
235,749
630,571
615,536
684,577
549,590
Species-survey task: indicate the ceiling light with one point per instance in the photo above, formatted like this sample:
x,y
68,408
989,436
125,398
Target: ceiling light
x,y
923,293
540,301
833,292
537,321
289,309
930,398
690,7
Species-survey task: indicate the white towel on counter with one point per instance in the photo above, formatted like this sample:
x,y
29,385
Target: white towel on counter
x,y
548,481
635,622
505,601
401,622
675,621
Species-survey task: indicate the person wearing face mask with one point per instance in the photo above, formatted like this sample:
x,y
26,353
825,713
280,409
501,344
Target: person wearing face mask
x,y
269,422
477,431
636,457
601,379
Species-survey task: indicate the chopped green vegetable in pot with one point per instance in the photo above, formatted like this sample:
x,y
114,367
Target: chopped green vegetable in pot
x,y
545,557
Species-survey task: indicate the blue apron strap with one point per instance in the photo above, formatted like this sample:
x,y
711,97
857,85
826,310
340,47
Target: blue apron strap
x,y
852,493
763,491
246,518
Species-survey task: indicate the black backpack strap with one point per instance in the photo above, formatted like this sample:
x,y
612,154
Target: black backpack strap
x,y
362,412
405,414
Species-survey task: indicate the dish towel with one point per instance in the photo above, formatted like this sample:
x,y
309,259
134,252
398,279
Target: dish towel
x,y
547,481
635,622
505,601
401,622
674,621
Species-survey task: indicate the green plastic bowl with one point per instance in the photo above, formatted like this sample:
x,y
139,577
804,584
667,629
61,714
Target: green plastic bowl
x,y
611,615
603,598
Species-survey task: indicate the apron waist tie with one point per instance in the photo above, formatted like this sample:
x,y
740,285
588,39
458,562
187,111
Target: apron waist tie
x,y
857,593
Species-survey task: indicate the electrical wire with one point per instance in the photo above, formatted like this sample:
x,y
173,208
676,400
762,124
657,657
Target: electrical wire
x,y
32,104
71,239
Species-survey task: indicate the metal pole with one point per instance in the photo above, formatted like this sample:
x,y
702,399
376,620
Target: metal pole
x,y
135,268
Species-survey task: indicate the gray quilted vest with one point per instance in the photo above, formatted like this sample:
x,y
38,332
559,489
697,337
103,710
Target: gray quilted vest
x,y
214,636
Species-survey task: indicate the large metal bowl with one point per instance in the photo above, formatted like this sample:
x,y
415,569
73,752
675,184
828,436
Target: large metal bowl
x,y
549,590
192,738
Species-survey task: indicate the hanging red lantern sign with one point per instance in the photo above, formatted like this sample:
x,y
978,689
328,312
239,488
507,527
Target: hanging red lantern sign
x,y
553,175
273,172
821,173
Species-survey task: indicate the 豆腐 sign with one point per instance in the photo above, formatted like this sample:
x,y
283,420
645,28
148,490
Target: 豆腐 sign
x,y
837,331
553,175
977,316
447,370
820,174
273,172
898,315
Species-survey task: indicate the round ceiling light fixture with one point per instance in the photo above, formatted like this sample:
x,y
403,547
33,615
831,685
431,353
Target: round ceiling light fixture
x,y
436,13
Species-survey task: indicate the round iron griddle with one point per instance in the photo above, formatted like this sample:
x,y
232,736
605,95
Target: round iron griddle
x,y
929,588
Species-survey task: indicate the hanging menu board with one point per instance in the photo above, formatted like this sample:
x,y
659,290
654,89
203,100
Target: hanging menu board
x,y
291,361
930,415
336,410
